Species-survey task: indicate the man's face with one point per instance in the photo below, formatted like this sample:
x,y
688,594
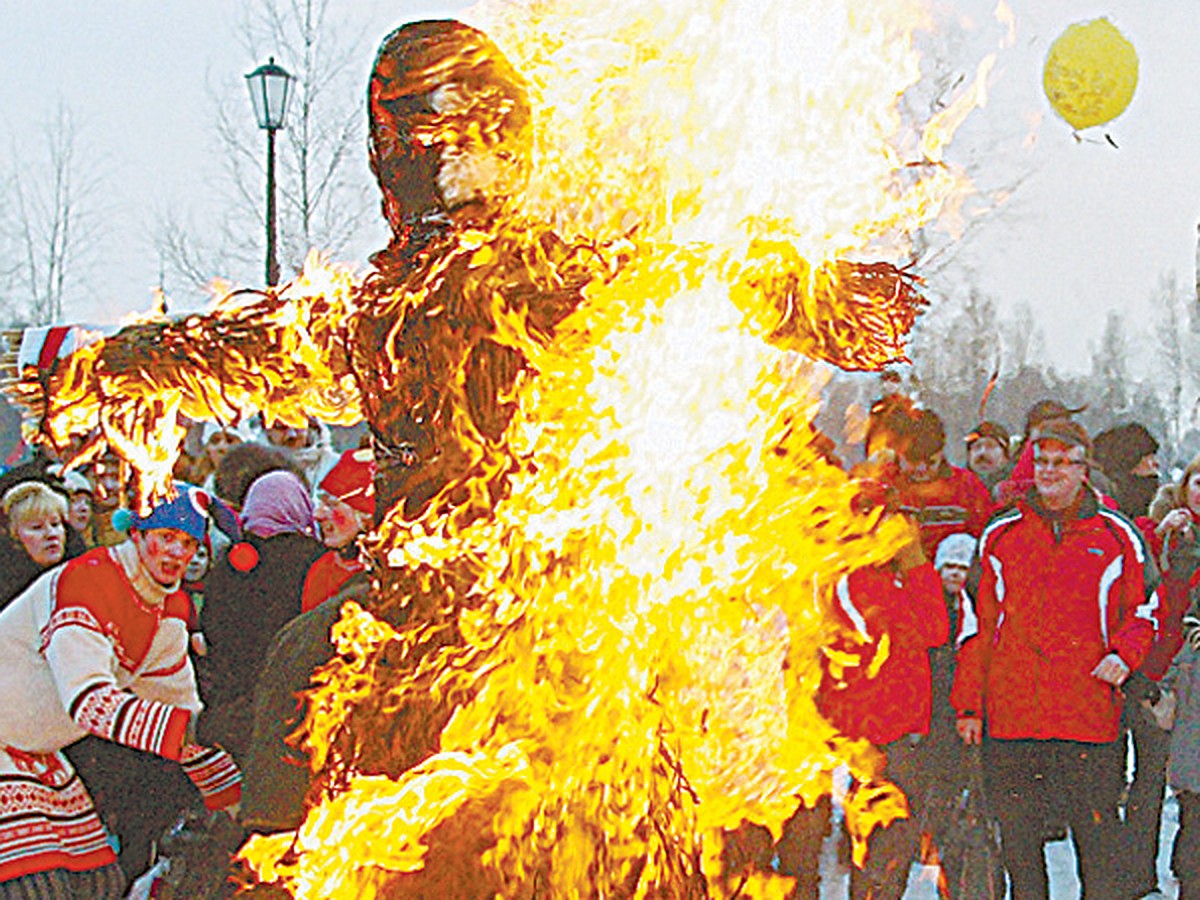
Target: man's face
x,y
220,444
1147,466
985,456
954,577
165,552
286,436
107,475
338,521
197,568
1059,473
920,471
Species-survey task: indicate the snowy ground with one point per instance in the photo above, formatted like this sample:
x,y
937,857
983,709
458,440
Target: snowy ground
x,y
1060,855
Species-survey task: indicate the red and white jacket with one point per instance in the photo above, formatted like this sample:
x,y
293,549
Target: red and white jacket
x,y
877,682
1055,597
93,647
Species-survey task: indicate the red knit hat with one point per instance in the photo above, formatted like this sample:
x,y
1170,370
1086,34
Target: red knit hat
x,y
352,480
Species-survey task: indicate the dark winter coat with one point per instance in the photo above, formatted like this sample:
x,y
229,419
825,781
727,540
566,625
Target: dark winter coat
x,y
242,611
1183,768
277,774
1179,585
18,570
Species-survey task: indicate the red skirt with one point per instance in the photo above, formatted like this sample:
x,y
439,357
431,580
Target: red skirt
x,y
47,818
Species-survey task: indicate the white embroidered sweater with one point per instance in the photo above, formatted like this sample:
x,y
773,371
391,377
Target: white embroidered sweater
x,y
95,646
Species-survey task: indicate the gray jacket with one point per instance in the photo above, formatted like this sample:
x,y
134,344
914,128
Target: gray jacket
x,y
1183,678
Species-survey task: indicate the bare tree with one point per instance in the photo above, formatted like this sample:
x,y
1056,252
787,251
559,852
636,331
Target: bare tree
x,y
188,260
958,351
47,225
1110,370
11,293
1024,342
1174,343
325,195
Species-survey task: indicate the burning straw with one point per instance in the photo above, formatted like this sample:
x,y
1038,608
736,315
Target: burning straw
x,y
610,530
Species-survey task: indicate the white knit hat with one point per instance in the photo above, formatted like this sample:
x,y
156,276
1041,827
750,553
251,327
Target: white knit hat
x,y
73,480
955,550
75,483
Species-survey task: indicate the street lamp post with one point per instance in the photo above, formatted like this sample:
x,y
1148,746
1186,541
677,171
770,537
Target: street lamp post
x,y
269,89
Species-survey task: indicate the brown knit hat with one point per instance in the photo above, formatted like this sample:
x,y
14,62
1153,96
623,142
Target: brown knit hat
x,y
1066,431
1044,410
988,429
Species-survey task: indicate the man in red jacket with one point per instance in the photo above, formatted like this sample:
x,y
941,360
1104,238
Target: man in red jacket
x,y
943,499
1063,618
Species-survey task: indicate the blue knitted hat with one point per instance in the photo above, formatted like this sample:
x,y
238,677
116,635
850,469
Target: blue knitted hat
x,y
189,511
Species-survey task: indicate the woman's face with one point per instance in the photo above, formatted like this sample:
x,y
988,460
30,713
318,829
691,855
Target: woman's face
x,y
43,536
1192,489
79,512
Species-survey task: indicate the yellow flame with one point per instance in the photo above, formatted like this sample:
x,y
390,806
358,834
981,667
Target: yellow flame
x,y
709,116
134,386
638,673
645,653
870,805
942,127
1006,17
634,645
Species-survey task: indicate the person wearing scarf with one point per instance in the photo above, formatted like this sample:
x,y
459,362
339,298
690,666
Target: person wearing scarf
x,y
98,646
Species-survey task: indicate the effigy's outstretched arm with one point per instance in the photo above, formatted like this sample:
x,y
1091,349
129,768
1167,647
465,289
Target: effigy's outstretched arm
x,y
854,315
283,353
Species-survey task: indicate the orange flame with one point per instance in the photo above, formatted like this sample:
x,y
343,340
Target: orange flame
x,y
628,664
639,671
134,385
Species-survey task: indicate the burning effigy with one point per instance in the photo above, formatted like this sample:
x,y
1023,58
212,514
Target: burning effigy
x,y
624,242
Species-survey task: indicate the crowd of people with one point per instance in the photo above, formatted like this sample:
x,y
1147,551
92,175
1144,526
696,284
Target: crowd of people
x,y
121,622
1038,633
1025,666
1042,645
118,625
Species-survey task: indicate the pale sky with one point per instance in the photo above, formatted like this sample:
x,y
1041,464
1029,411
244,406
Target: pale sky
x,y
1092,227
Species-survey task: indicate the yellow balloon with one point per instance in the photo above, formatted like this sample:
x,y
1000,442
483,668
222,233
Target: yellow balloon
x,y
1091,72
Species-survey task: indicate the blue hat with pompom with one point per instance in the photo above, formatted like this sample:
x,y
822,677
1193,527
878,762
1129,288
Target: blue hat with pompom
x,y
188,511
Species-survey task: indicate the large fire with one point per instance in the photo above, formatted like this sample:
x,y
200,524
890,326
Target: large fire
x,y
615,605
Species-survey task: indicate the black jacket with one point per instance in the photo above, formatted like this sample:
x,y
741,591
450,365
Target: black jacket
x,y
243,610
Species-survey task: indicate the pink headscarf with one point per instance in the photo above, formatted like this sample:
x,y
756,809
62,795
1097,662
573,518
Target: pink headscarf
x,y
278,503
